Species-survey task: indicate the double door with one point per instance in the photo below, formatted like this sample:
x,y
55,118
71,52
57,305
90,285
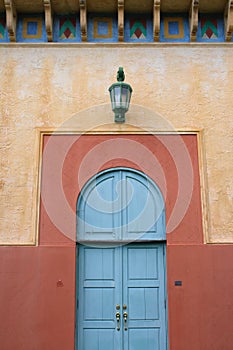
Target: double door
x,y
121,297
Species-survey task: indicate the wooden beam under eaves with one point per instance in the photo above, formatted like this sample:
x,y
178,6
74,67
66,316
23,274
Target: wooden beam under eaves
x,y
48,19
228,20
193,19
156,26
11,18
121,9
83,19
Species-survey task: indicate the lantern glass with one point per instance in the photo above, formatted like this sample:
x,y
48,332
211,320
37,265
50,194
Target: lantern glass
x,y
120,96
125,97
117,96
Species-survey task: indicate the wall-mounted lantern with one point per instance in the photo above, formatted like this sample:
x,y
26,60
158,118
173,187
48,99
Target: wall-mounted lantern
x,y
120,94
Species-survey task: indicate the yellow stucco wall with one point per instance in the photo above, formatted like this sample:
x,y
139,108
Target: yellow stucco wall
x,y
175,87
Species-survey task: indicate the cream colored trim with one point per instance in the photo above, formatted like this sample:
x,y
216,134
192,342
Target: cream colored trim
x,y
89,45
203,185
16,244
39,138
115,129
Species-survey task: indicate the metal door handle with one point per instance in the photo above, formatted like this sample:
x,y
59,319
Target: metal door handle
x,y
125,315
118,319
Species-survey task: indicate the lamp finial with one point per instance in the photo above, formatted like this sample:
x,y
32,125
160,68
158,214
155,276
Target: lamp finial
x,y
120,74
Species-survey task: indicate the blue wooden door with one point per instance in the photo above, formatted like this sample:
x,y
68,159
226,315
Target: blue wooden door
x,y
121,285
121,298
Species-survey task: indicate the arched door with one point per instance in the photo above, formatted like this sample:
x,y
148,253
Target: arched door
x,y
121,263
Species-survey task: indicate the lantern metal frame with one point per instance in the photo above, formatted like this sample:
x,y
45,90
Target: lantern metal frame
x,y
120,95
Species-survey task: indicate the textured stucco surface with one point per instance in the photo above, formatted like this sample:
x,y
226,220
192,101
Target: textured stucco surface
x,y
189,87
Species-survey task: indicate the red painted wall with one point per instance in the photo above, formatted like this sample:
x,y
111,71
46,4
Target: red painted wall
x,y
35,312
37,294
201,310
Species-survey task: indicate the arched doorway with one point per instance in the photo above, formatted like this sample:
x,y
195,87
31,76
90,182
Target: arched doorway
x,y
121,290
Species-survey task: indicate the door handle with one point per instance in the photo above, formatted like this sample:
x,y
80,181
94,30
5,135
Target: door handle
x,y
125,315
118,319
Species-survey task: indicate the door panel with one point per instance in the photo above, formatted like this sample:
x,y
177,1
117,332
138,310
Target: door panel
x,y
142,263
98,339
143,303
96,219
144,339
140,209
